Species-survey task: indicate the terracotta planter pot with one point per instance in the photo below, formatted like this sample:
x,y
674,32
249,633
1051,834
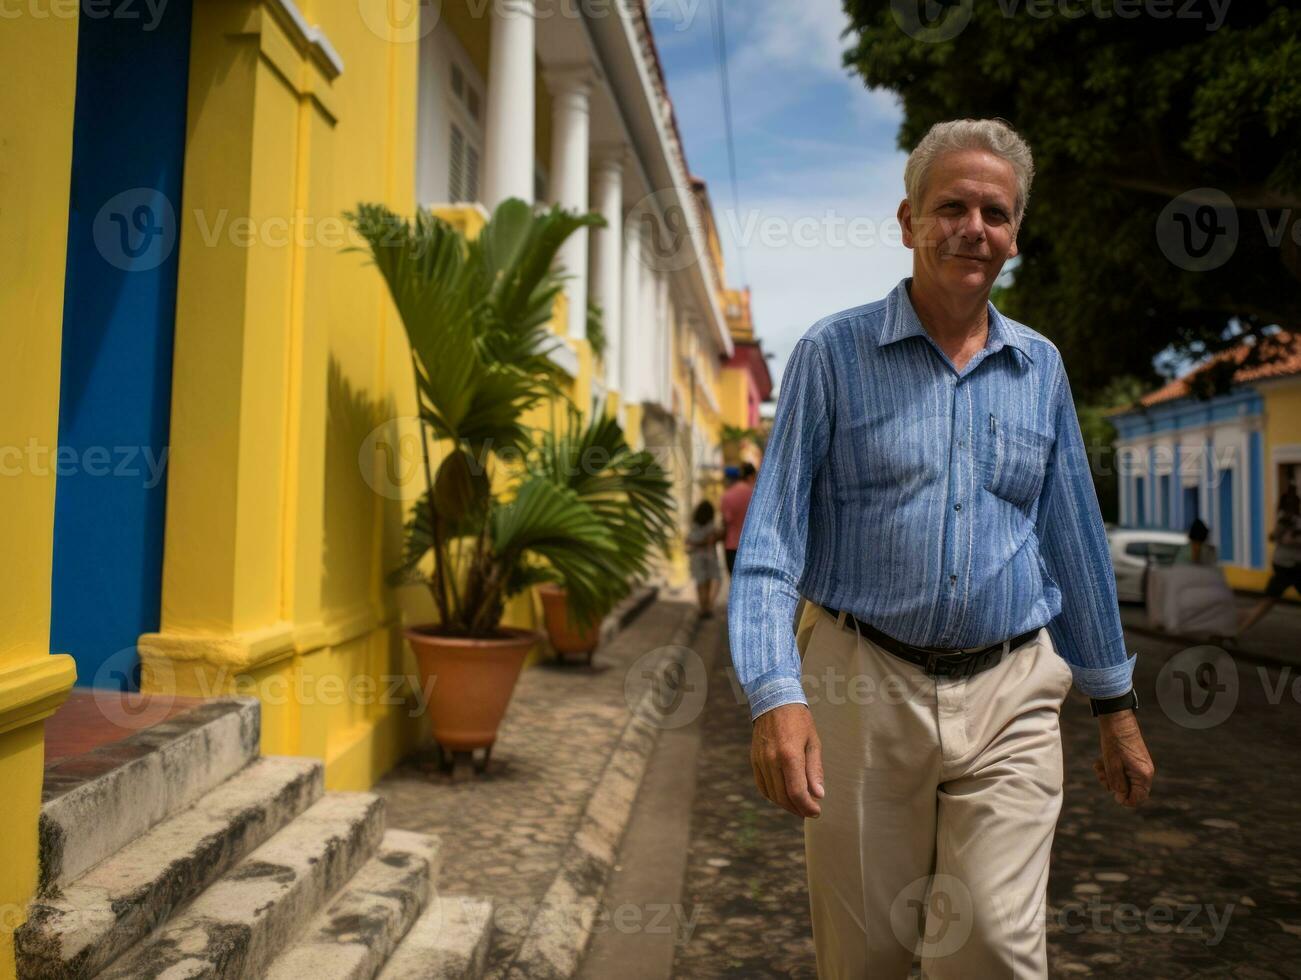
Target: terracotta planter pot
x,y
563,632
470,683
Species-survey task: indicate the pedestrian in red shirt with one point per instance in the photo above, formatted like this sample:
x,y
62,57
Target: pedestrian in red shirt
x,y
736,500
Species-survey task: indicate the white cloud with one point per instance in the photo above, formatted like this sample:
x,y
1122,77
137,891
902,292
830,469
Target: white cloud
x,y
801,258
785,62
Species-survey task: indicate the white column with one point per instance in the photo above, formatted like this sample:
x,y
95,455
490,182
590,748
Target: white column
x,y
607,249
571,89
651,332
632,323
508,129
665,353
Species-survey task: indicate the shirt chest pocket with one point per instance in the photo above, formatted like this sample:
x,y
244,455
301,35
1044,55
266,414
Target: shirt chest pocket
x,y
1014,461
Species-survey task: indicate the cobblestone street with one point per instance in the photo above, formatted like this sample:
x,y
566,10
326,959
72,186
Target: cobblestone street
x,y
1202,881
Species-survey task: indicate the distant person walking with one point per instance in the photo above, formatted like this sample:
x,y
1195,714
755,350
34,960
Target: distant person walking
x,y
1197,551
1287,557
736,501
702,550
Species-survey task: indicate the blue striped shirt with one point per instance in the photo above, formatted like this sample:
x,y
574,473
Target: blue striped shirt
x,y
947,508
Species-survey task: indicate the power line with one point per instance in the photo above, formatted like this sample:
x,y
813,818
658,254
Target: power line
x,y
720,51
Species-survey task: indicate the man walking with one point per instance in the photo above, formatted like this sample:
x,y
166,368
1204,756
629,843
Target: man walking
x,y
735,503
926,487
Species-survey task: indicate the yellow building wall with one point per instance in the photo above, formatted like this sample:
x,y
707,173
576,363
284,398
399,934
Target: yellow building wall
x,y
1282,428
733,385
288,357
36,110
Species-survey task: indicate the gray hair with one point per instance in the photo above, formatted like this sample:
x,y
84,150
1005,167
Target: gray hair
x,y
994,135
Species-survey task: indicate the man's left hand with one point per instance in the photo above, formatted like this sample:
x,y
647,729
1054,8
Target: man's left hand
x,y
1124,767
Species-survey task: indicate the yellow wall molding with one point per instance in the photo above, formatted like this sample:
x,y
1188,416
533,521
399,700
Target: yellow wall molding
x,y
31,690
265,645
308,36
241,651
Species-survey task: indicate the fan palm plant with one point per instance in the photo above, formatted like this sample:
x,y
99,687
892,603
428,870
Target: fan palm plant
x,y
629,491
476,313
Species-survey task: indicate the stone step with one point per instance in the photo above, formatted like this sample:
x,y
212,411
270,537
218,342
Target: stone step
x,y
115,904
448,942
95,804
261,906
359,930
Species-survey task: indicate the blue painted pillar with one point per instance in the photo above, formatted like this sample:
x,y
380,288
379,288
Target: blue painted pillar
x,y
128,152
1208,502
1256,497
1153,487
1177,494
1126,482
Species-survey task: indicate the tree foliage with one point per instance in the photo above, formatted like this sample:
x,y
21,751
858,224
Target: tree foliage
x,y
1124,113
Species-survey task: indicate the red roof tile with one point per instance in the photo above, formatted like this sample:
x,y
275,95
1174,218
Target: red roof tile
x,y
1282,350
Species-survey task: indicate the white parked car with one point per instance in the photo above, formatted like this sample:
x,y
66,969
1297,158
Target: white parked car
x,y
1131,549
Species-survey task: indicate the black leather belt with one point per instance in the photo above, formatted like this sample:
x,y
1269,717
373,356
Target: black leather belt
x,y
937,663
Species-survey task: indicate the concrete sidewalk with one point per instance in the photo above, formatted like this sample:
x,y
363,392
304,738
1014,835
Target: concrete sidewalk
x,y
538,833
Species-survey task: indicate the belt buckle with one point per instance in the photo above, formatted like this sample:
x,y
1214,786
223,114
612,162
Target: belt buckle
x,y
931,660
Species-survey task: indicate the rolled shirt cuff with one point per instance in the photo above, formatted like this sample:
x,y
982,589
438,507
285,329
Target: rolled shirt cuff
x,y
772,691
1104,682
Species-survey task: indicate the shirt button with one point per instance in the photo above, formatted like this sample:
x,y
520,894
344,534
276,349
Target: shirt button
x,y
957,507
953,579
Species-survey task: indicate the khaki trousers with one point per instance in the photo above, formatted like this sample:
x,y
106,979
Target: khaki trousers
x,y
942,797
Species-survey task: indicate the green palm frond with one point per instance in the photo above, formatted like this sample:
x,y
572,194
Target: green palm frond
x,y
477,314
551,522
628,491
596,329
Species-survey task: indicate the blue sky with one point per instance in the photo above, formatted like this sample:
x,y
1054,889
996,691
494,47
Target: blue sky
x,y
815,150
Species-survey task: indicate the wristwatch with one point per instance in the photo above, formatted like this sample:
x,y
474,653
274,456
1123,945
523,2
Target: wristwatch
x,y
1105,706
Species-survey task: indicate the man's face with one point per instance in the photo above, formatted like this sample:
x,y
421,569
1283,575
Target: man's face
x,y
962,233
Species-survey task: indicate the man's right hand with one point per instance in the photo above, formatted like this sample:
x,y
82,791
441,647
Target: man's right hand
x,y
787,759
